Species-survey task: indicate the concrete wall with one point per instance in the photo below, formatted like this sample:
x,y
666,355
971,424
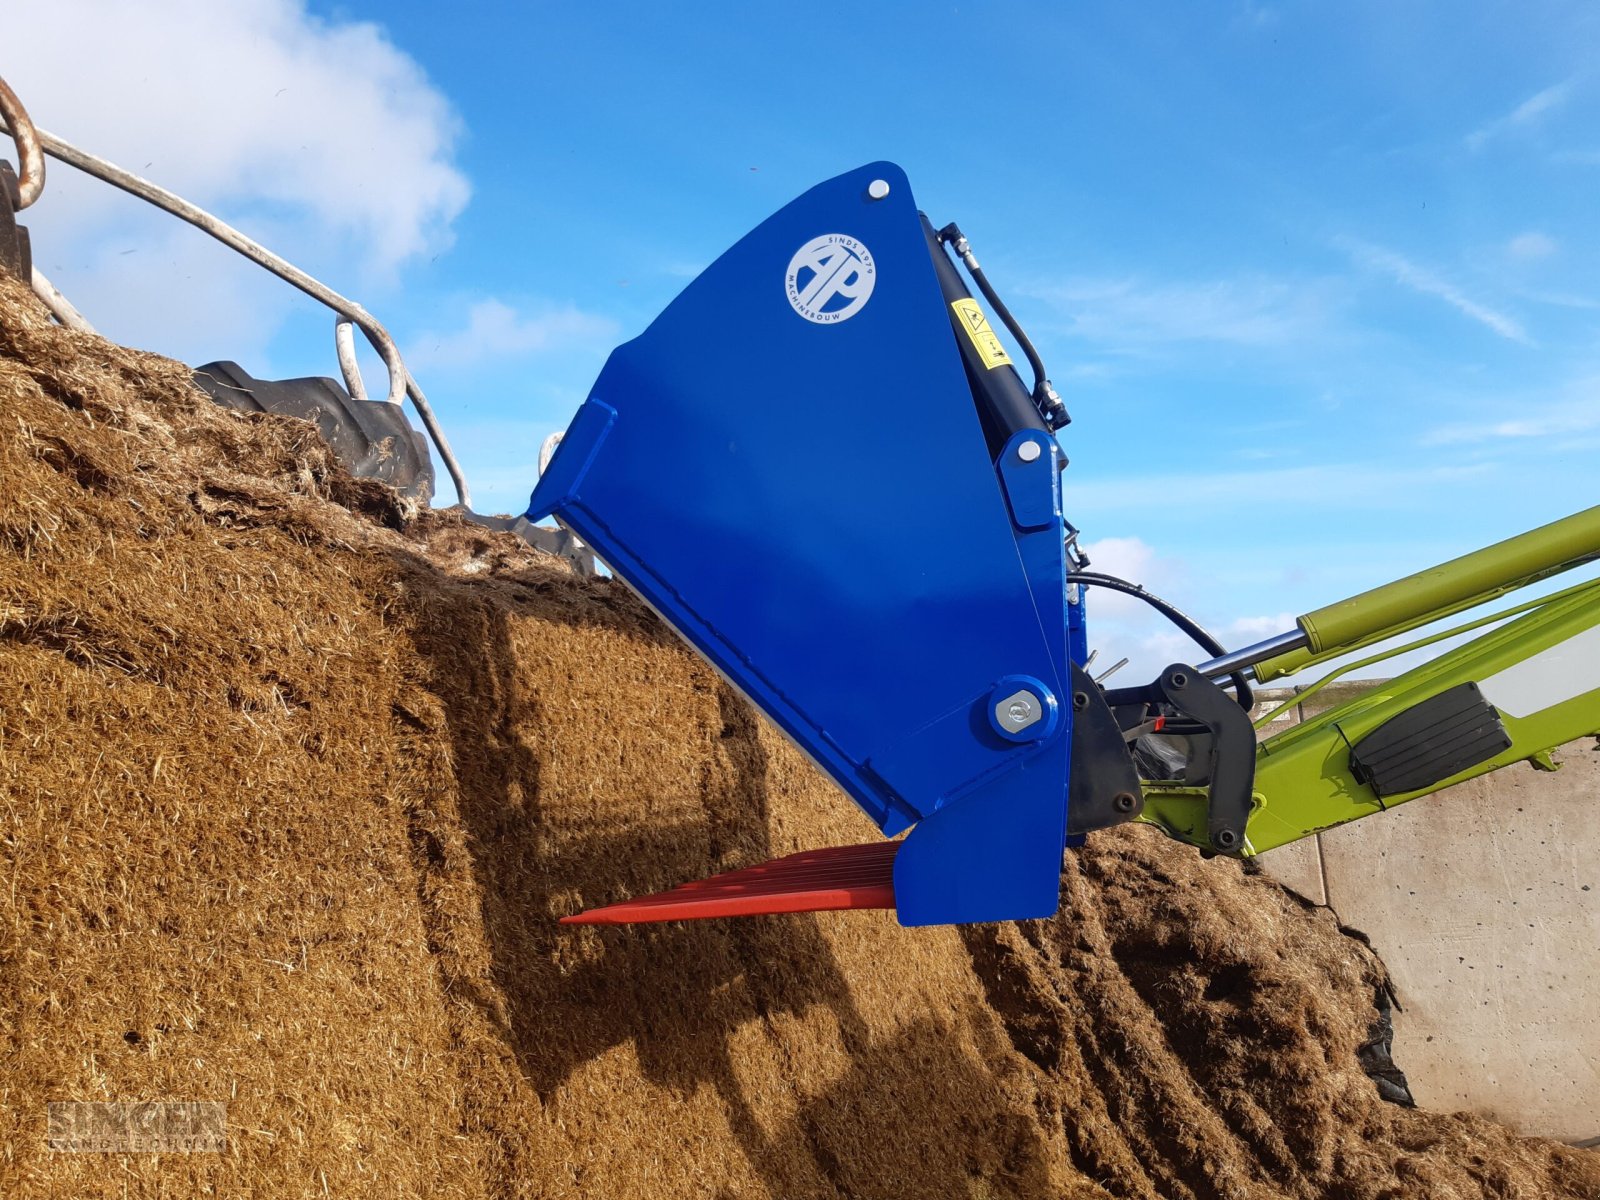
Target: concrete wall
x,y
1484,902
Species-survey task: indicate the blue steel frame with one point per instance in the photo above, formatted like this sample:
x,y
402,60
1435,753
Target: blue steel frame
x,y
811,504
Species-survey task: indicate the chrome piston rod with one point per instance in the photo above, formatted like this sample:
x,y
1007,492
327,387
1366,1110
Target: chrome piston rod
x,y
1248,656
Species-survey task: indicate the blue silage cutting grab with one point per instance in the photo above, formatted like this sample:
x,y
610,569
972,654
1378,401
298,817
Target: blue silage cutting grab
x,y
787,465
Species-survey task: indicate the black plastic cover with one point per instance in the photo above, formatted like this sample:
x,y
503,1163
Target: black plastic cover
x,y
1430,741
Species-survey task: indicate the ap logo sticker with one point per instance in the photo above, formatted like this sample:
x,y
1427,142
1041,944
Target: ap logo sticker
x,y
830,278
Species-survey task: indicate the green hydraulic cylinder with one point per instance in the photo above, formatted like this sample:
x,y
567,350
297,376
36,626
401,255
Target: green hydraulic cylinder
x,y
1440,591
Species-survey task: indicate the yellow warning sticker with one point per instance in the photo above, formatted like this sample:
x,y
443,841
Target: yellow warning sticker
x,y
970,317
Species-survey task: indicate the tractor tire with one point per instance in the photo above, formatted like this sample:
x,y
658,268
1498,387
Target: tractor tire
x,y
372,438
560,542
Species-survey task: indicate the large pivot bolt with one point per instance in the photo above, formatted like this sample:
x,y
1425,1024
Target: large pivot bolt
x,y
1022,709
1018,710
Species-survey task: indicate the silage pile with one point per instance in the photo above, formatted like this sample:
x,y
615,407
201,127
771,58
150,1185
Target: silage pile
x,y
294,784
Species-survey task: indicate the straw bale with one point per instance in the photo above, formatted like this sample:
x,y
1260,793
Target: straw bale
x,y
295,780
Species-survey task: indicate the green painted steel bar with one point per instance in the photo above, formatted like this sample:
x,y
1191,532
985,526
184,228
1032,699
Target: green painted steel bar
x,y
1441,591
1303,774
1590,587
1541,671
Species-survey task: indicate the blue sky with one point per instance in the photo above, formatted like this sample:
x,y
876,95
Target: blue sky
x,y
1319,283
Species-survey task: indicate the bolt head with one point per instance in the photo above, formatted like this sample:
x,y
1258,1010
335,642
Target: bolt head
x,y
878,189
1029,451
1018,711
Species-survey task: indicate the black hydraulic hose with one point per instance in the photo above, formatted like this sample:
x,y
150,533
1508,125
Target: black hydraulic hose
x,y
1011,323
1241,685
1044,395
1004,406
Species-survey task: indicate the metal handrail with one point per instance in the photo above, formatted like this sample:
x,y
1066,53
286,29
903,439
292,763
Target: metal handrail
x,y
401,382
60,307
344,345
30,159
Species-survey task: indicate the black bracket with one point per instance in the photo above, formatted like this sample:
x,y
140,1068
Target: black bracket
x,y
1232,772
1102,784
16,257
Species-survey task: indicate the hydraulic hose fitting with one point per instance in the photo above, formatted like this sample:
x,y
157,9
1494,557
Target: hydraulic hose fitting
x,y
1045,398
1050,406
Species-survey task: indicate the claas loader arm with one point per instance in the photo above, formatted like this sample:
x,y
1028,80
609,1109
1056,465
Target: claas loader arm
x,y
822,468
1526,686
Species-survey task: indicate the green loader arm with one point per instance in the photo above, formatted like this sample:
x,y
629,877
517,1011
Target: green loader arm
x,y
1511,694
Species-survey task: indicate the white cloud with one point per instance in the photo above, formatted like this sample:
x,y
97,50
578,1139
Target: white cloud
x,y
1127,557
682,269
1122,626
1259,16
1559,299
246,102
318,137
1523,115
1531,245
1421,280
159,286
1133,313
1160,644
1576,411
1337,487
1135,560
497,331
